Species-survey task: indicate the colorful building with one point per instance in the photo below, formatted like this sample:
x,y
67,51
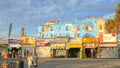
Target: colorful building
x,y
27,45
83,28
89,29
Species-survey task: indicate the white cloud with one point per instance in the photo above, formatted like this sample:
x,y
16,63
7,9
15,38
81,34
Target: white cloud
x,y
109,16
72,2
29,12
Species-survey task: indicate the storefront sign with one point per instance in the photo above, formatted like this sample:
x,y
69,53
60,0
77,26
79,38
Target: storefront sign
x,y
14,41
90,40
53,22
76,40
57,46
28,40
61,39
74,44
107,37
108,45
42,42
90,45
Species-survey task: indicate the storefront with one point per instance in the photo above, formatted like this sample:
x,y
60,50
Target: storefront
x,y
42,47
26,49
14,48
90,47
58,47
108,50
75,48
14,51
108,46
27,45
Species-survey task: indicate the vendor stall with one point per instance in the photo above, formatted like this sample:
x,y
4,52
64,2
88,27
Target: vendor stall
x,y
58,47
74,48
90,47
108,46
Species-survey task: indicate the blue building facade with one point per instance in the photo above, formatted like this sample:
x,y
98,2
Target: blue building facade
x,y
85,28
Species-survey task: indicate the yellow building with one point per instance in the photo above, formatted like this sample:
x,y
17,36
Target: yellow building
x,y
101,26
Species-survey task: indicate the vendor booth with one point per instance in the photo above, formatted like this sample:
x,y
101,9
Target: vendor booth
x,y
27,45
108,46
14,48
58,47
42,47
75,48
90,47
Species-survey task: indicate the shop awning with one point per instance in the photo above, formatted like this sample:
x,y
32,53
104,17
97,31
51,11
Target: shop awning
x,y
74,45
108,45
15,45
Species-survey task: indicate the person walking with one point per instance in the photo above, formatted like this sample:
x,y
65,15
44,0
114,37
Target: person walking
x,y
30,60
35,61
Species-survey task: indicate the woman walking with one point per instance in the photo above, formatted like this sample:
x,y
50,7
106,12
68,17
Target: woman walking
x,y
30,60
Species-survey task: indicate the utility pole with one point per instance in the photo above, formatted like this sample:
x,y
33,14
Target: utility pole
x,y
10,30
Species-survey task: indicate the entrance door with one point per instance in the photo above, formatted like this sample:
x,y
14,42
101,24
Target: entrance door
x,y
90,52
74,52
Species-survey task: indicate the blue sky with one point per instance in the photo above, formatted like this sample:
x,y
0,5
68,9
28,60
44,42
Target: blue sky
x,y
32,13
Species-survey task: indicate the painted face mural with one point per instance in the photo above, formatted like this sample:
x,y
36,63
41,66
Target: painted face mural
x,y
78,29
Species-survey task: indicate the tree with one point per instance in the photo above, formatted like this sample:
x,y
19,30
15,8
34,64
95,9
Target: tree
x,y
110,26
113,25
117,17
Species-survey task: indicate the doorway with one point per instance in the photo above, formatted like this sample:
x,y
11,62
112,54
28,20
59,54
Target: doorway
x,y
88,52
74,52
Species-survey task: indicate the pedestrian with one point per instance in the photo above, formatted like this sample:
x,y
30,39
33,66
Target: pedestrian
x,y
35,61
30,60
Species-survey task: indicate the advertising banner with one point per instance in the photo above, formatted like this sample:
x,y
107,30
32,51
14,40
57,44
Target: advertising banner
x,y
76,40
42,42
90,40
53,22
58,46
90,45
61,39
108,37
28,40
108,45
14,41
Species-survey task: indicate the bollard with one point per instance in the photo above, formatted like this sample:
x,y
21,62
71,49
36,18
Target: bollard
x,y
17,64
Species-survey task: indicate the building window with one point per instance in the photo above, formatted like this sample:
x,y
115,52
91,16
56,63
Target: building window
x,y
86,27
100,27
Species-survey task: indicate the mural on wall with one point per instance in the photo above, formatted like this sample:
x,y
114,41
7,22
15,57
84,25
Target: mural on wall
x,y
76,29
86,29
